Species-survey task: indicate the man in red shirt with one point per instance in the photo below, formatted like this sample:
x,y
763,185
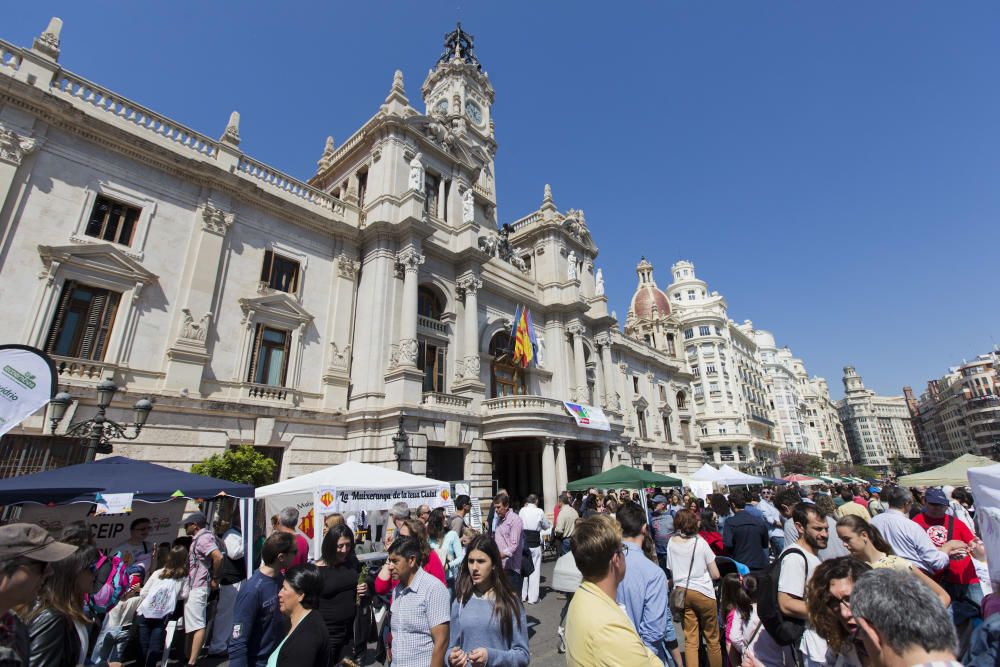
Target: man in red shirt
x,y
959,578
288,520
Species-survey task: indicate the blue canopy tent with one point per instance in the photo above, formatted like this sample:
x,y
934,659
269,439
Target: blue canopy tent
x,y
147,481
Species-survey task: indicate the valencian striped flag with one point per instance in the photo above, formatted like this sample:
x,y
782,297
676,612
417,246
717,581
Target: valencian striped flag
x,y
525,343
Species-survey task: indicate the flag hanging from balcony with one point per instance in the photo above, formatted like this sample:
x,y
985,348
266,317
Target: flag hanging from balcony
x,y
524,338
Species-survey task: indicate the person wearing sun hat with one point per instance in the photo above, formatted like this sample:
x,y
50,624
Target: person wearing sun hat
x,y
26,550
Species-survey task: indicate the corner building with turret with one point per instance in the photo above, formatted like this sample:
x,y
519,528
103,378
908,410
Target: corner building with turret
x,y
313,319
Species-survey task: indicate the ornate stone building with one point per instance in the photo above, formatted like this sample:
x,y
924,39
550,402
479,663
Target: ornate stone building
x,y
311,319
878,428
960,412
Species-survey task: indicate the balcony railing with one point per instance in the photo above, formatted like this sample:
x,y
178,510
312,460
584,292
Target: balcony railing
x,y
10,56
525,403
432,324
446,400
82,369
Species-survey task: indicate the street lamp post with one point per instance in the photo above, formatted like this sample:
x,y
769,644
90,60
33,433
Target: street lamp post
x,y
99,430
400,441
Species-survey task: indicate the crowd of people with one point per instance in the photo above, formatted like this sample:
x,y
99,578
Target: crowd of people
x,y
842,576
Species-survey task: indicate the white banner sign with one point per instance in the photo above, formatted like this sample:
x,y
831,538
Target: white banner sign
x,y
27,380
110,530
587,416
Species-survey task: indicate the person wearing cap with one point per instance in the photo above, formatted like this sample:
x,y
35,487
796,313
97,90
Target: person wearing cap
x,y
661,522
875,505
959,579
26,551
907,538
204,565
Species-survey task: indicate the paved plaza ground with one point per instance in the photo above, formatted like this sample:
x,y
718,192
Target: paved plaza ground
x,y
543,619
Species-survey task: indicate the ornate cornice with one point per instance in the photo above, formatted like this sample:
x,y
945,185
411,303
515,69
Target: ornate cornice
x,y
215,220
347,266
409,260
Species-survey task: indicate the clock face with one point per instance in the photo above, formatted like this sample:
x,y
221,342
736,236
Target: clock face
x,y
473,111
441,107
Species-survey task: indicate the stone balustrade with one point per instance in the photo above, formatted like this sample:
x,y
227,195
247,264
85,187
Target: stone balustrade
x,y
273,178
266,392
432,324
78,88
523,403
10,56
527,220
82,369
446,400
483,190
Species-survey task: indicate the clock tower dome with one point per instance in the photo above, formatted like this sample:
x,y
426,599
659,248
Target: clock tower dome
x,y
458,90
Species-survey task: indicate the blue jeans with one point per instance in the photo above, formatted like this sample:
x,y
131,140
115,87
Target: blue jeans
x,y
778,545
564,546
152,633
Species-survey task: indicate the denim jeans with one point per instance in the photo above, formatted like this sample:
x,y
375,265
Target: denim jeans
x,y
152,633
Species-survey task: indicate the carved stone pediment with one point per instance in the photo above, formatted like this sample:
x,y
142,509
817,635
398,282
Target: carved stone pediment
x,y
104,259
278,307
640,403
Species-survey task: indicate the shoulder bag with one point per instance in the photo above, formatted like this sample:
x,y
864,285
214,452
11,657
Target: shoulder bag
x,y
679,595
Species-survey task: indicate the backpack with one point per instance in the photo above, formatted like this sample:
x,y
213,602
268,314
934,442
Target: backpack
x,y
112,579
785,631
161,601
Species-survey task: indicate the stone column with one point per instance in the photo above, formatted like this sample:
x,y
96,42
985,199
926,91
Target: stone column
x,y
406,351
468,367
605,457
550,486
577,330
441,203
612,400
562,478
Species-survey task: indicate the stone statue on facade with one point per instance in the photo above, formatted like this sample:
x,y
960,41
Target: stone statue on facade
x,y
468,206
599,283
571,265
417,173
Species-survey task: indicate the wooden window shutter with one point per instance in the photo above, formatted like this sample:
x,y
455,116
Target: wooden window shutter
x,y
60,316
255,353
284,359
265,270
105,320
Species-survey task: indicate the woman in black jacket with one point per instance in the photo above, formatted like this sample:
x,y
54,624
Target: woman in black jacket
x,y
58,628
341,591
306,643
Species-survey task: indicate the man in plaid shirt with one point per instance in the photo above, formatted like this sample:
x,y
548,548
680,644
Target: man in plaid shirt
x,y
421,609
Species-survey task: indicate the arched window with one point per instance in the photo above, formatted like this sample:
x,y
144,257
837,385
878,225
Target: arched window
x,y
429,304
681,400
507,377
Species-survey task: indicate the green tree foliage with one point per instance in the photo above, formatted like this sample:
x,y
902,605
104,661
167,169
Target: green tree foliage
x,y
864,472
802,464
243,465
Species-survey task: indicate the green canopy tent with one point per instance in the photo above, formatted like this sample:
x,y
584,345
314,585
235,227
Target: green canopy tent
x,y
950,474
623,477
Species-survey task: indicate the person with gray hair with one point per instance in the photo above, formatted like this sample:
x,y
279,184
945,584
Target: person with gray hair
x,y
901,622
399,513
288,520
907,538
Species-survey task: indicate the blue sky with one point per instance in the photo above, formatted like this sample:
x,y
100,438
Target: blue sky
x,y
833,169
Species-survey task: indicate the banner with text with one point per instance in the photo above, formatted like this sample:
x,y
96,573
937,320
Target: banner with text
x,y
357,500
587,416
110,530
27,382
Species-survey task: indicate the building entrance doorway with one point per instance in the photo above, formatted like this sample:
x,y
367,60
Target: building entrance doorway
x,y
517,467
583,459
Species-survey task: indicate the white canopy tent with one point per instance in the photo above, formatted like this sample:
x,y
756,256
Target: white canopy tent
x,y
349,488
985,483
733,477
707,473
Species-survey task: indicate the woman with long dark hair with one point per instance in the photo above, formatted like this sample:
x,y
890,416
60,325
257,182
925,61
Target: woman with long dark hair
x,y
429,560
445,542
488,624
828,601
340,591
58,628
864,542
708,530
306,644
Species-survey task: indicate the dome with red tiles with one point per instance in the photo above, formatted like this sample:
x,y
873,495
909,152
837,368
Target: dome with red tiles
x,y
647,295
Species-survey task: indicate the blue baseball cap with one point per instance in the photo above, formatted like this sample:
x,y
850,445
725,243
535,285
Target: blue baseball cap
x,y
935,497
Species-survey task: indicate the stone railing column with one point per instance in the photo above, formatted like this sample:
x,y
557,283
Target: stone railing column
x,y
550,485
576,330
612,400
410,260
605,457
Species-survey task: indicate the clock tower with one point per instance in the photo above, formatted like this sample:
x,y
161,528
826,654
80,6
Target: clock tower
x,y
458,91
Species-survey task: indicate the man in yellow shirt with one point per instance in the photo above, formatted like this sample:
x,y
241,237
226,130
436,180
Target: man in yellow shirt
x,y
851,507
598,633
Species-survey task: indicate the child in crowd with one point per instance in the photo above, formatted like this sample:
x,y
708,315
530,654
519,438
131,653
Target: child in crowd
x,y
738,601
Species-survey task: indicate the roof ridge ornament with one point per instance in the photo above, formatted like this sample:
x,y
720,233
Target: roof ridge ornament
x,y
48,42
458,46
397,93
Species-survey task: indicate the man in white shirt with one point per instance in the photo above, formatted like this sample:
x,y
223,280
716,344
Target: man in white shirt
x,y
534,522
907,538
799,561
233,567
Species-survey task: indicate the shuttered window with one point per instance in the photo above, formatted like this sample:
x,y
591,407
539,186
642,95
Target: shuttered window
x,y
431,359
112,221
280,273
269,362
83,322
